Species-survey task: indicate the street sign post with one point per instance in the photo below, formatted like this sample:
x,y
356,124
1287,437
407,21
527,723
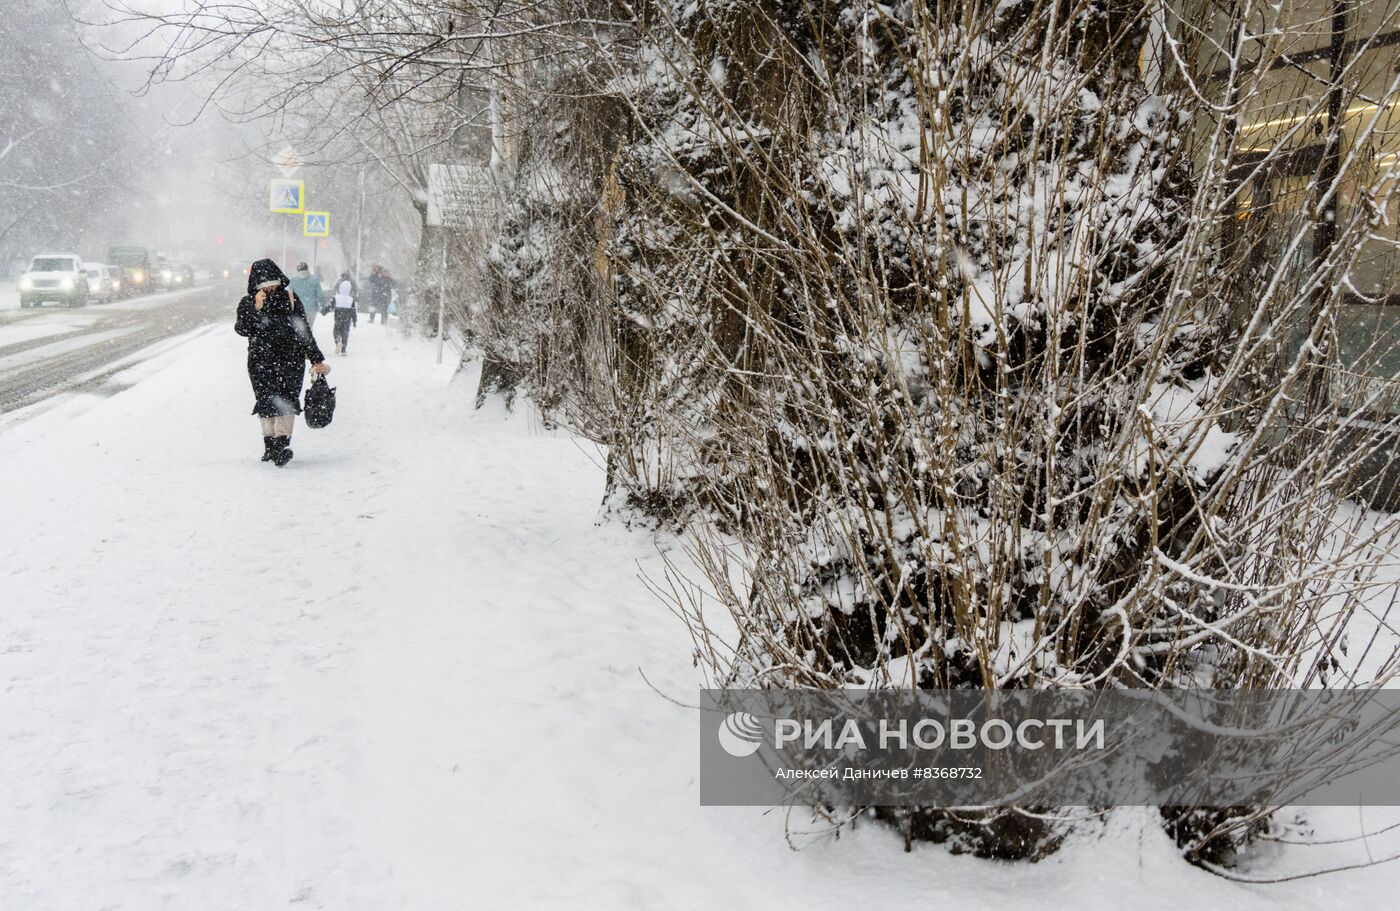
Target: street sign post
x,y
459,196
316,224
287,197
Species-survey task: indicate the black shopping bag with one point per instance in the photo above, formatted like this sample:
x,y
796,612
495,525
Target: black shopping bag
x,y
319,406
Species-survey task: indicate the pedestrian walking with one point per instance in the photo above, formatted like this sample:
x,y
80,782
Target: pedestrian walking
x,y
381,292
307,288
344,312
279,344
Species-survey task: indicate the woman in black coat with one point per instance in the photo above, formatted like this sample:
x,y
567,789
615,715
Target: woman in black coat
x,y
279,344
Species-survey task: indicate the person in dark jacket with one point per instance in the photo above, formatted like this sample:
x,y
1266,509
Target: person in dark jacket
x,y
279,345
381,292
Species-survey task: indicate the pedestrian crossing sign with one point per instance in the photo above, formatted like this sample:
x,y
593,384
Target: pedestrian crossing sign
x,y
287,196
316,224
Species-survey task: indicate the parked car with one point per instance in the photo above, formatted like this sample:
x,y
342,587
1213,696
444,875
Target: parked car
x,y
54,277
135,266
104,282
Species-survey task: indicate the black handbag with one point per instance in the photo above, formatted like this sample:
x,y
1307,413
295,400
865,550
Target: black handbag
x,y
319,405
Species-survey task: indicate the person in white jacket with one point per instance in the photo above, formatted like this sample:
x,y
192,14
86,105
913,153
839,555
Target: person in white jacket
x,y
344,312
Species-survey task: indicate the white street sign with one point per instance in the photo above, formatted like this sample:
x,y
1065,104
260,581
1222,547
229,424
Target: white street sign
x,y
459,195
288,161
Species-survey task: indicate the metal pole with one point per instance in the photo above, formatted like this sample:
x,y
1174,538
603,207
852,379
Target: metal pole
x,y
498,152
359,227
284,241
442,292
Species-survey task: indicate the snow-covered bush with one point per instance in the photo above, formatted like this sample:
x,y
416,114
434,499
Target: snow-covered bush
x,y
939,324
545,324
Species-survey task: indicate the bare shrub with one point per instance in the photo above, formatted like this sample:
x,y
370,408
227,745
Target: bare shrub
x,y
965,338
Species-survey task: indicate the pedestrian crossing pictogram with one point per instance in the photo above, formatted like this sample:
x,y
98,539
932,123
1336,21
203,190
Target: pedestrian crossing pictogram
x,y
316,224
287,196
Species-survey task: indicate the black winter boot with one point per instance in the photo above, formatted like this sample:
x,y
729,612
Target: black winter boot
x,y
283,455
269,448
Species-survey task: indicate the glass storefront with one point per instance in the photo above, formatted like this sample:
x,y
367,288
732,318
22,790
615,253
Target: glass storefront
x,y
1287,121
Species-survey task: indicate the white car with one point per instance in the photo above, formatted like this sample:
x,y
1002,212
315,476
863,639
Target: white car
x,y
56,277
104,282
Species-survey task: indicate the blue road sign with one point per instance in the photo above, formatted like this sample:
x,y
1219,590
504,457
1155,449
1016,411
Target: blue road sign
x,y
316,224
287,196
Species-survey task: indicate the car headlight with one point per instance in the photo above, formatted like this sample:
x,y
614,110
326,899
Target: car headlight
x,y
66,284
165,275
138,276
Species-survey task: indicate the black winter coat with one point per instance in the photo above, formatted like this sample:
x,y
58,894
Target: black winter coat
x,y
381,291
279,343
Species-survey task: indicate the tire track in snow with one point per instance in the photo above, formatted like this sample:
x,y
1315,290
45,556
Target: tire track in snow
x,y
80,361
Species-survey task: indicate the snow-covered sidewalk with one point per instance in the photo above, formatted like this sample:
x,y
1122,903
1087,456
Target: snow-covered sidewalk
x,y
403,672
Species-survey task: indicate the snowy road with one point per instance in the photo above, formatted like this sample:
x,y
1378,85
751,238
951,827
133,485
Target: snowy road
x,y
50,350
405,674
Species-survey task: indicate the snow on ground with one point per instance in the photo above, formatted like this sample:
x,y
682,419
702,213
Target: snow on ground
x,y
36,355
404,672
9,299
159,299
61,323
